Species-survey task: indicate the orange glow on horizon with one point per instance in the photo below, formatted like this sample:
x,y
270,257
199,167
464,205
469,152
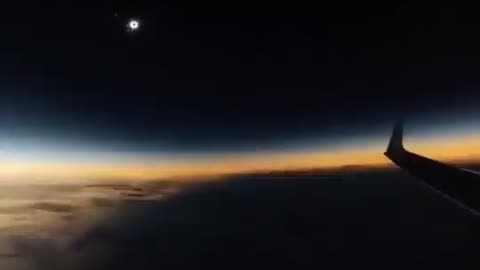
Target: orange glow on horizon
x,y
460,149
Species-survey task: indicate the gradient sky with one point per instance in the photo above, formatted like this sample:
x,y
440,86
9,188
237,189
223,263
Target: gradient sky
x,y
43,161
219,88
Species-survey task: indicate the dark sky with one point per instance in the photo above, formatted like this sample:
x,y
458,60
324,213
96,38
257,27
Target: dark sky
x,y
206,74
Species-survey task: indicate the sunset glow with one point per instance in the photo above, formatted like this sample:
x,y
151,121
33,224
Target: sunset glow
x,y
460,149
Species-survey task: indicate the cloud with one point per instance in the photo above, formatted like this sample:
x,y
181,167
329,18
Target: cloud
x,y
121,187
280,223
53,207
44,206
15,210
134,195
103,202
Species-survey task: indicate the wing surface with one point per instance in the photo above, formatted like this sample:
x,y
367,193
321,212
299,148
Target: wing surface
x,y
458,185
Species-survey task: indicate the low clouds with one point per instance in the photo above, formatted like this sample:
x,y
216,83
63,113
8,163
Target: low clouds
x,y
370,220
53,207
38,223
103,202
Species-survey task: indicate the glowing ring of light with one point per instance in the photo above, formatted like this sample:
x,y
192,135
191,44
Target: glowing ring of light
x,y
133,25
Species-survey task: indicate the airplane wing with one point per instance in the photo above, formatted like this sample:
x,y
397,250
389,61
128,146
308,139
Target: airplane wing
x,y
458,185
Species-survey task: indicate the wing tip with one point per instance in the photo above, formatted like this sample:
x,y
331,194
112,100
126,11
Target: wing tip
x,y
395,144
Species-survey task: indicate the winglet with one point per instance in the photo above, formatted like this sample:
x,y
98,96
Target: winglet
x,y
396,140
458,185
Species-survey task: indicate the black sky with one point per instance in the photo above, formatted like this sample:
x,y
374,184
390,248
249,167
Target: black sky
x,y
206,74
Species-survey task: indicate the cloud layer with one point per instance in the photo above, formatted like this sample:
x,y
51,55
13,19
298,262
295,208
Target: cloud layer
x,y
376,219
